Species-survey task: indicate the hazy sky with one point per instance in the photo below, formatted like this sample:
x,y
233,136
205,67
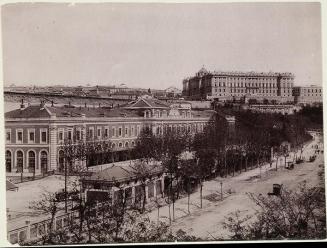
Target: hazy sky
x,y
157,45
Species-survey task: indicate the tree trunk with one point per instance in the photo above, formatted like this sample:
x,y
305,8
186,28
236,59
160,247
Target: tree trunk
x,y
65,186
285,161
144,198
277,162
188,196
169,209
246,163
201,186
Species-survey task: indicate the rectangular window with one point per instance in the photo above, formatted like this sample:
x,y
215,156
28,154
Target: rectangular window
x,y
91,134
78,134
69,135
113,132
132,131
19,136
126,131
99,132
43,135
106,132
120,131
138,130
8,136
61,135
31,136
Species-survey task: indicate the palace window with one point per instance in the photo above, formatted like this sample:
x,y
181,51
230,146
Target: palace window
x,y
126,131
120,131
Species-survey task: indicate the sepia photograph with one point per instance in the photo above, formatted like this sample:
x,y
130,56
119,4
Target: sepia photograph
x,y
162,122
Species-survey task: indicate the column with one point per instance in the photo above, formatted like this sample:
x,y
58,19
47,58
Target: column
x,y
53,144
133,194
83,131
28,231
146,193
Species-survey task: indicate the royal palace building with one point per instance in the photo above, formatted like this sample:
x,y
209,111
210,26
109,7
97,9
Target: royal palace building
x,y
308,95
35,134
243,86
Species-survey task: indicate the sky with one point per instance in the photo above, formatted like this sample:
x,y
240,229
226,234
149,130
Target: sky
x,y
157,45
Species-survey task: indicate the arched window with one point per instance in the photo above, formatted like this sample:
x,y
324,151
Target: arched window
x,y
31,161
126,144
133,143
44,161
8,161
19,161
113,145
120,145
61,160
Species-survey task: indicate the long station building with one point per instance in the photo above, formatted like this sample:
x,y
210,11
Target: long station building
x,y
35,134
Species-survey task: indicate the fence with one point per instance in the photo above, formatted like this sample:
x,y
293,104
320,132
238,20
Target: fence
x,y
35,231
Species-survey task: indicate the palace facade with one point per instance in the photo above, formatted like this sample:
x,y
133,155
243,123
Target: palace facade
x,y
228,86
35,134
308,95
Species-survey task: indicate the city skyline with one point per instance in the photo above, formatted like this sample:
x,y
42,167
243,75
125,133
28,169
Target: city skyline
x,y
157,45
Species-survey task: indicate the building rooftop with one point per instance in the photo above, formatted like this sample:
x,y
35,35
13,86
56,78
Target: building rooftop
x,y
123,172
146,102
36,111
132,109
203,71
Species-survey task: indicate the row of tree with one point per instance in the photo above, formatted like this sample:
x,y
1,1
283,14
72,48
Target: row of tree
x,y
187,161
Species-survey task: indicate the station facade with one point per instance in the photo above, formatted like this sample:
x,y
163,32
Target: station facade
x,y
35,134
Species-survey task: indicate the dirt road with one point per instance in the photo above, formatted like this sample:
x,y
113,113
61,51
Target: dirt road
x,y
207,222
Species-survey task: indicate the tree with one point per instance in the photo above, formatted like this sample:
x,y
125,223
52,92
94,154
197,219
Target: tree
x,y
292,215
47,205
173,144
69,150
188,175
145,174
